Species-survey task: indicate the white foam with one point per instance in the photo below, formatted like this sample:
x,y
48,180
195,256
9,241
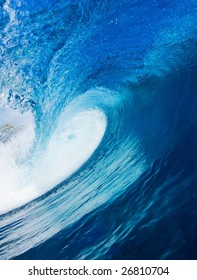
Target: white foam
x,y
11,12
15,150
71,144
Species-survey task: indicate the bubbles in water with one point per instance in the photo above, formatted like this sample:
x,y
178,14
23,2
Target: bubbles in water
x,y
26,175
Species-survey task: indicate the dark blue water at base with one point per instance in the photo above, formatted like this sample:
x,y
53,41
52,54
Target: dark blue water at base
x,y
136,62
154,219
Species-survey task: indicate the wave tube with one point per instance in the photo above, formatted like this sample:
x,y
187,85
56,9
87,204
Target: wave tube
x,y
70,145
98,129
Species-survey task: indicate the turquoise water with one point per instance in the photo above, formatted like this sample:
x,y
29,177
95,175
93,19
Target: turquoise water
x,y
98,127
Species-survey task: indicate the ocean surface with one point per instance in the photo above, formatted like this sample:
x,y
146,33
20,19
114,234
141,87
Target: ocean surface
x,y
98,129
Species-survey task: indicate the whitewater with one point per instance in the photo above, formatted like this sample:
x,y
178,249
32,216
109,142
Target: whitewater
x,y
98,129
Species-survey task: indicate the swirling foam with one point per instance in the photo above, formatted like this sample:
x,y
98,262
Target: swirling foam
x,y
26,176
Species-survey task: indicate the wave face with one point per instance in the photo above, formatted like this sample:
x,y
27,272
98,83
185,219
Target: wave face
x,y
98,129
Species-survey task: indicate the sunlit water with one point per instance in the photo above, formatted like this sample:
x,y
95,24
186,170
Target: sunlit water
x,y
98,129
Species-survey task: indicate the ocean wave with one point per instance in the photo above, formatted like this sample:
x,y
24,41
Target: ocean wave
x,y
97,130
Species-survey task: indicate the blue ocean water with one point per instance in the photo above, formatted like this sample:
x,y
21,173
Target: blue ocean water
x,y
98,129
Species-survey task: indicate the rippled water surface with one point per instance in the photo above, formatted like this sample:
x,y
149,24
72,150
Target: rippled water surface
x,y
98,129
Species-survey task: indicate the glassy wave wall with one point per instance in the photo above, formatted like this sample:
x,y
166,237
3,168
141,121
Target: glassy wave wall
x,y
98,129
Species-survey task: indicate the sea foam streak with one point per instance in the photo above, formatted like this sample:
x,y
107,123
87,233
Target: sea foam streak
x,y
26,176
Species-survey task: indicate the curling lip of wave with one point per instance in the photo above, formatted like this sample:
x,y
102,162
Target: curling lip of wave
x,y
144,76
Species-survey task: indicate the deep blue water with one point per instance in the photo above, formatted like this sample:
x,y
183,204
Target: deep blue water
x,y
136,62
